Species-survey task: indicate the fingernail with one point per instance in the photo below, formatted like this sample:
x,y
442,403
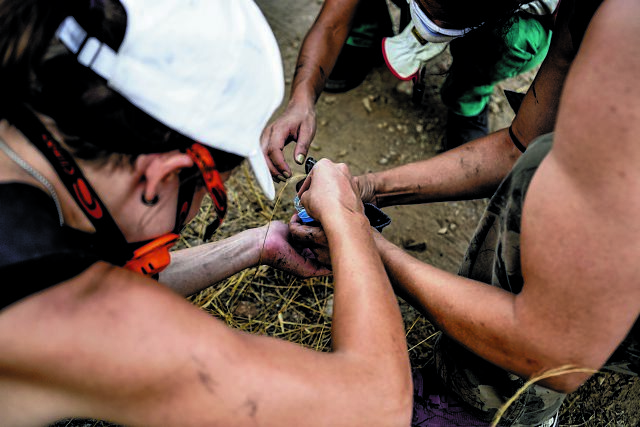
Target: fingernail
x,y
300,159
286,175
281,178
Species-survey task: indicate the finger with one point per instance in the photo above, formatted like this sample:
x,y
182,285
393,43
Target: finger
x,y
278,159
306,235
306,183
323,257
273,141
305,137
313,268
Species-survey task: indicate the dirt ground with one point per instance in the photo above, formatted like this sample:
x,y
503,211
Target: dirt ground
x,y
376,126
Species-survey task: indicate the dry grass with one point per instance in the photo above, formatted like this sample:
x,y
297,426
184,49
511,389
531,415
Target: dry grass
x,y
266,301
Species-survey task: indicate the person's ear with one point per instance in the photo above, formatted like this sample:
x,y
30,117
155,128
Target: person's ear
x,y
158,169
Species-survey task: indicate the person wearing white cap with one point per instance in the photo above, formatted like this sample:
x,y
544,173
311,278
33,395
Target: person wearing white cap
x,y
490,41
117,118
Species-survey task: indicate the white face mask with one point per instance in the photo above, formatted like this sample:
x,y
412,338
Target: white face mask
x,y
429,30
419,42
405,52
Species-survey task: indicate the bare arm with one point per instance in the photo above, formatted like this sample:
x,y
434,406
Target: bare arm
x,y
194,269
316,59
113,345
586,191
470,171
579,241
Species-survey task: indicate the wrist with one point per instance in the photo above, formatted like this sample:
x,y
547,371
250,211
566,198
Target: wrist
x,y
374,188
256,238
303,95
344,221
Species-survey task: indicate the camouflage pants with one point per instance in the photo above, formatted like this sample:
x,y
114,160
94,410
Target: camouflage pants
x,y
493,257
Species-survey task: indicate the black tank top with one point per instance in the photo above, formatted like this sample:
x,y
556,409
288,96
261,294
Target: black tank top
x,y
35,251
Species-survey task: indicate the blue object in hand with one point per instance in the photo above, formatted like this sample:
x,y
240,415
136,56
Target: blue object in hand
x,y
302,212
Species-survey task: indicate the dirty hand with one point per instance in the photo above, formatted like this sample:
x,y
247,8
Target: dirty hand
x,y
365,186
328,192
278,252
311,238
298,124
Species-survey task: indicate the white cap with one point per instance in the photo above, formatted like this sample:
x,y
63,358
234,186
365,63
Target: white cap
x,y
209,69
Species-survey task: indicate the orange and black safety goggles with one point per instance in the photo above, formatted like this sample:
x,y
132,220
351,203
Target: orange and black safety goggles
x,y
206,166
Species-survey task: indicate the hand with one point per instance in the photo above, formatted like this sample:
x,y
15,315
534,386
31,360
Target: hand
x,y
311,238
297,123
278,252
328,191
366,188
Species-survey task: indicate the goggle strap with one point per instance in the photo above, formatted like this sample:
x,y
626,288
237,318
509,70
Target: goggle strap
x,y
205,162
69,173
211,229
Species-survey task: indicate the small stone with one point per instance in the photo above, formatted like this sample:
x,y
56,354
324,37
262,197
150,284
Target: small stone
x,y
315,147
329,100
343,153
323,122
383,161
453,226
367,104
443,230
405,88
419,128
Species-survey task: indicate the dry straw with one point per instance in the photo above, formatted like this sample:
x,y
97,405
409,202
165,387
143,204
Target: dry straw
x,y
266,301
563,370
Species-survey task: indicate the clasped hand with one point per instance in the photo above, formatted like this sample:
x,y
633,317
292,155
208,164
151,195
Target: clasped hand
x,y
329,193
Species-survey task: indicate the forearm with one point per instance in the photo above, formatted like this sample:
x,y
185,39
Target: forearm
x,y
483,318
362,287
194,269
471,171
320,49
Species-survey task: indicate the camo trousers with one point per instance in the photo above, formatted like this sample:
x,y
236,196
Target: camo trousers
x,y
493,257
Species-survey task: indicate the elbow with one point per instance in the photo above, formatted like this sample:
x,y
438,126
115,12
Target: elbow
x,y
402,405
394,402
405,407
567,383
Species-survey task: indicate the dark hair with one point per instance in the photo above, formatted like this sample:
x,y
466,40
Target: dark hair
x,y
38,70
473,13
491,19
